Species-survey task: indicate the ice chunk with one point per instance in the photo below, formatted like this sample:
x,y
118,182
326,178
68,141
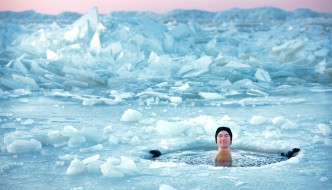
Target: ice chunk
x,y
95,43
92,134
68,157
131,115
180,31
197,68
76,141
278,121
94,166
31,83
182,88
113,140
111,168
176,100
262,75
128,166
166,187
211,95
57,139
69,131
135,140
324,129
170,128
257,120
91,159
27,122
51,55
24,146
92,148
76,167
320,67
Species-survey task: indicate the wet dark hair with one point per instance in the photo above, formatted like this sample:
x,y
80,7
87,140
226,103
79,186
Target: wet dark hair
x,y
224,129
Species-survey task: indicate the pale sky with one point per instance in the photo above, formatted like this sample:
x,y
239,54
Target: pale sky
x,y
158,6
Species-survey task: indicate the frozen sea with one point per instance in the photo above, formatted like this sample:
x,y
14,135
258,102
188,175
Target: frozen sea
x,y
83,98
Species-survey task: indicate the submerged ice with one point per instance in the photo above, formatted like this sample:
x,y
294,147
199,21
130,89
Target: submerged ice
x,y
88,95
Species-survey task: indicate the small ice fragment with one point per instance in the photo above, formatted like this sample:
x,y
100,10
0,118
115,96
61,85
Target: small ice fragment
x,y
262,75
76,167
278,120
176,100
56,138
128,166
27,122
95,43
92,148
92,134
113,140
166,187
108,129
76,141
91,159
131,115
257,120
23,146
69,131
68,157
211,95
134,140
324,129
111,168
51,55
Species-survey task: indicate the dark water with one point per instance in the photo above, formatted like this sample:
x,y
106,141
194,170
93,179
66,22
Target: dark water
x,y
240,158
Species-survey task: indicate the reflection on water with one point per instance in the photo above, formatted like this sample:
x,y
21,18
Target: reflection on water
x,y
223,158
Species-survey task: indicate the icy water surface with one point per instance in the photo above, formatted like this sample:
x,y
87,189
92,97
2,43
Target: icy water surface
x,y
83,98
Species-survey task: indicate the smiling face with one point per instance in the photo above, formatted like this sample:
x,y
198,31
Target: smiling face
x,y
223,140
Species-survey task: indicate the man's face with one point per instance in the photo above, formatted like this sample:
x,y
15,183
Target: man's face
x,y
223,140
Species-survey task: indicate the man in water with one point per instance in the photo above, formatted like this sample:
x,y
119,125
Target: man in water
x,y
223,139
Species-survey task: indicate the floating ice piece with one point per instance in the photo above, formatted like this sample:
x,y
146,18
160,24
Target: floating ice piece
x,y
69,131
24,146
324,129
170,128
211,95
56,139
262,75
320,67
180,31
76,167
166,187
128,166
257,120
197,68
92,134
76,141
51,55
95,43
27,122
131,115
31,83
278,121
111,168
94,167
91,159
97,147
134,140
113,140
176,100
182,88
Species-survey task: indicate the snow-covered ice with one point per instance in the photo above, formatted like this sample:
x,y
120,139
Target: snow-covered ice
x,y
83,98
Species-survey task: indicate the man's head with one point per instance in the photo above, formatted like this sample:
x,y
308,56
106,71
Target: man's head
x,y
228,130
